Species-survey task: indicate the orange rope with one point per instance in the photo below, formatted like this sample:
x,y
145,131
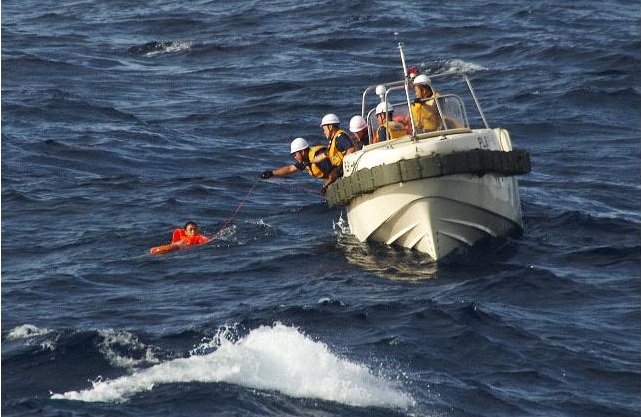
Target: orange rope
x,y
233,215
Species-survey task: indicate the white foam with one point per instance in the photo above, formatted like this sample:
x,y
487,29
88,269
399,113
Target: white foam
x,y
462,66
25,331
113,339
170,48
341,226
277,358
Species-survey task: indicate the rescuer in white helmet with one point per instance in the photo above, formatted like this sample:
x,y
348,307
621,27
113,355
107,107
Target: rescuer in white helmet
x,y
424,109
340,142
422,86
304,155
388,129
358,127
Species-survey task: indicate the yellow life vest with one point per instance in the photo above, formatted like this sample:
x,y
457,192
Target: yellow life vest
x,y
425,114
335,156
394,131
313,169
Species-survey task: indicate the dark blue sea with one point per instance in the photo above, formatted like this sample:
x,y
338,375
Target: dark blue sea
x,y
123,120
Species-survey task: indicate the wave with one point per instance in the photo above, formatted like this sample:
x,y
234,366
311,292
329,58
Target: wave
x,y
454,65
117,347
26,331
278,358
30,64
121,349
156,48
53,104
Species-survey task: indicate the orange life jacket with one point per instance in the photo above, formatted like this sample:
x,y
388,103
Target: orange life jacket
x,y
178,235
335,156
313,169
181,236
179,239
394,130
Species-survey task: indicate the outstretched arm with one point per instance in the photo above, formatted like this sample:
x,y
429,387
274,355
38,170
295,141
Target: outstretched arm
x,y
285,170
279,172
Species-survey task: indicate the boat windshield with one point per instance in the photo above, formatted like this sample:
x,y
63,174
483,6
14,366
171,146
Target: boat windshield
x,y
453,106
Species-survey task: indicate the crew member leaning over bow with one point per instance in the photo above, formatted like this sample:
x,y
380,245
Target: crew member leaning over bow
x,y
304,155
340,142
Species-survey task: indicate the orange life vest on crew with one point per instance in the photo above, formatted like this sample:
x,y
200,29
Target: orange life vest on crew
x,y
313,169
335,156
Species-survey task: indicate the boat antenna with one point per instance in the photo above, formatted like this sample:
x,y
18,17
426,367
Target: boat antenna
x,y
402,52
407,87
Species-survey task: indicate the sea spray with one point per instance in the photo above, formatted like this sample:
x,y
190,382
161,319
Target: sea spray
x,y
277,358
123,349
31,335
26,331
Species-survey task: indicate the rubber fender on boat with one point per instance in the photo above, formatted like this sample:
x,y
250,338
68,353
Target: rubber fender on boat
x,y
386,174
366,181
410,169
476,161
431,166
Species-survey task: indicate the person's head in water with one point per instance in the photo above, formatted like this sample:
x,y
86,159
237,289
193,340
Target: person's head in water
x,y
191,229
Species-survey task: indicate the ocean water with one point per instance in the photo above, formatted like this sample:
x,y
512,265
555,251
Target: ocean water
x,y
122,121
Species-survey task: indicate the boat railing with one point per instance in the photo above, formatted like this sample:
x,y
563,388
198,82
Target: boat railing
x,y
450,108
457,75
379,89
454,96
436,135
452,111
400,112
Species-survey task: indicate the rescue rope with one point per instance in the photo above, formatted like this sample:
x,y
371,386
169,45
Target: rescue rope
x,y
233,215
227,222
294,187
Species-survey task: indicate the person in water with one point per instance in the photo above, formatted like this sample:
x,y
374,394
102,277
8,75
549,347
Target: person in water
x,y
181,238
188,236
304,155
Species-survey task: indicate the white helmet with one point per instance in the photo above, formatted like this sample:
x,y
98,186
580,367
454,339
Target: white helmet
x,y
357,124
298,144
330,119
381,108
422,80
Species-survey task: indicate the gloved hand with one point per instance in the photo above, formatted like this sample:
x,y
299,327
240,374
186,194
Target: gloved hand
x,y
265,175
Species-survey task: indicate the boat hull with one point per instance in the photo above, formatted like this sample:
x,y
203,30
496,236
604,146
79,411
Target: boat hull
x,y
438,215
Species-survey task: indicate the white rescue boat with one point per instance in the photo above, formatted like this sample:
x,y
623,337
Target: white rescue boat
x,y
432,191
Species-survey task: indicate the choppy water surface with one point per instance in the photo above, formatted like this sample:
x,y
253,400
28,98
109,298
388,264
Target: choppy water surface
x,y
121,122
